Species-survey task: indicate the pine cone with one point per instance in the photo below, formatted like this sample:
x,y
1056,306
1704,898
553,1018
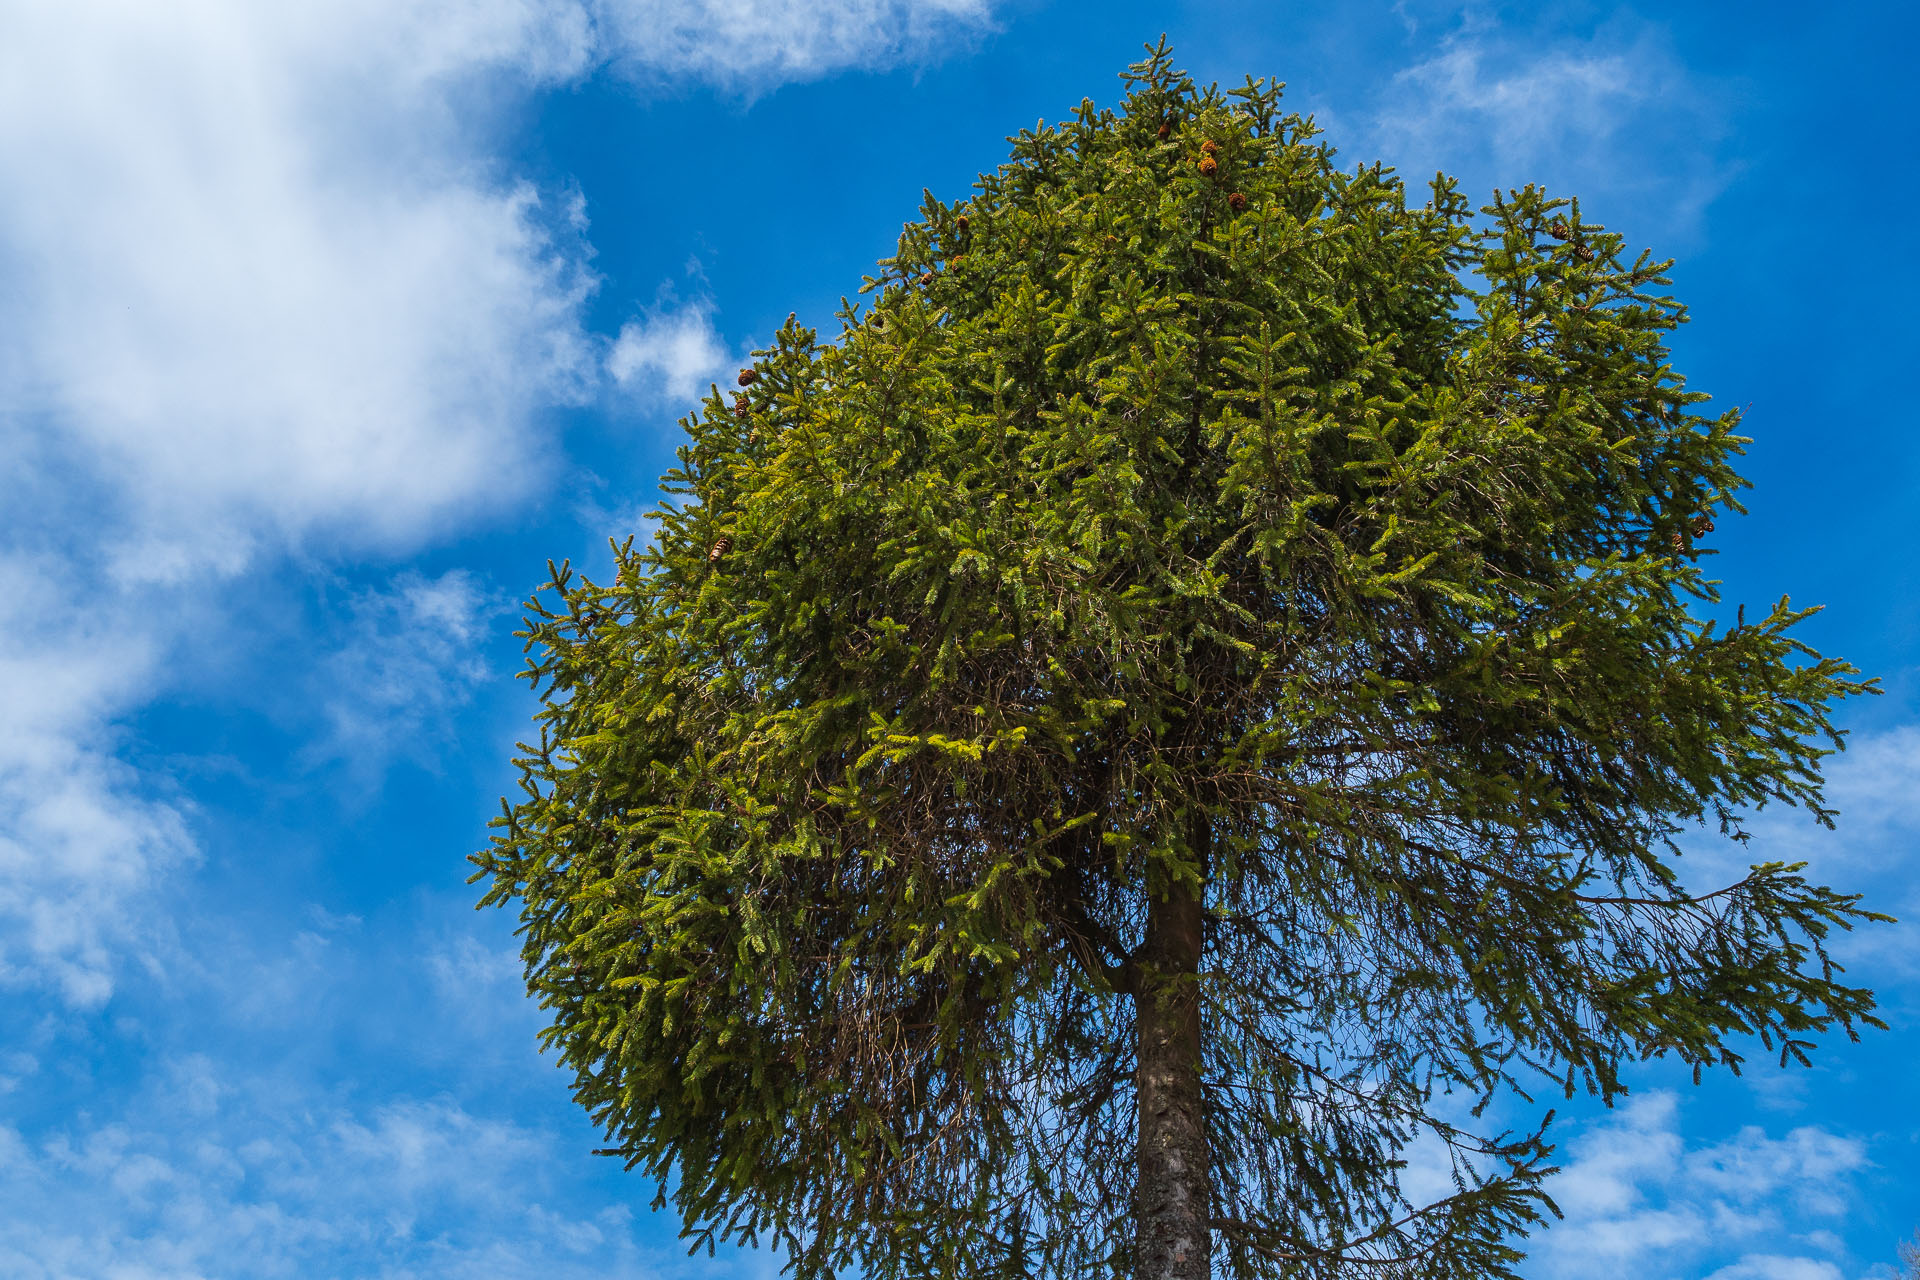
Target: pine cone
x,y
926,278
1559,230
1161,132
721,546
962,223
1208,166
1583,253
1236,202
1702,526
740,406
1210,147
748,377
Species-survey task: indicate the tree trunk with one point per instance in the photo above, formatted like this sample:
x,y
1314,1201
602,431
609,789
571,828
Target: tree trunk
x,y
1171,1200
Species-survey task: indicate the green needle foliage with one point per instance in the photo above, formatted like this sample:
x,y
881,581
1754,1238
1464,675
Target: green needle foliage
x,y
1211,630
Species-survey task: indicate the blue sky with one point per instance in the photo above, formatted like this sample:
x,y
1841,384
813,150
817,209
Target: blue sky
x,y
321,331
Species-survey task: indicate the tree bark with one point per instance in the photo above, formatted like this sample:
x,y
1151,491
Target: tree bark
x,y
1173,1239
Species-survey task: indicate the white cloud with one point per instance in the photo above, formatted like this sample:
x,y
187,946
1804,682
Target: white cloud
x,y
753,44
81,833
270,286
1522,113
1751,1166
267,279
480,987
262,289
410,659
1769,1266
235,1161
1612,117
214,1180
262,279
671,353
1638,1201
1874,785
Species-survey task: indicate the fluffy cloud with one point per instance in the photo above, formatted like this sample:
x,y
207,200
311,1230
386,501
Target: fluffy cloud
x,y
672,352
264,283
268,280
270,288
1638,1200
267,277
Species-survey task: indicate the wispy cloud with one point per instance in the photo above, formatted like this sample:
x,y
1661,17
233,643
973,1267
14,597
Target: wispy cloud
x,y
238,1159
1874,785
238,1184
1522,110
409,658
754,46
1612,115
81,833
1773,1266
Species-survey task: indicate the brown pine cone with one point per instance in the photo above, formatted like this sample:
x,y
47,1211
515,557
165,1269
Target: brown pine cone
x,y
740,406
1702,526
1236,202
1161,132
962,223
748,377
1210,147
1559,230
721,546
1583,253
926,278
1209,166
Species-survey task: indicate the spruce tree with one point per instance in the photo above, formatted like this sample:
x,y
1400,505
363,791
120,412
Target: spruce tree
x,y
1187,698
